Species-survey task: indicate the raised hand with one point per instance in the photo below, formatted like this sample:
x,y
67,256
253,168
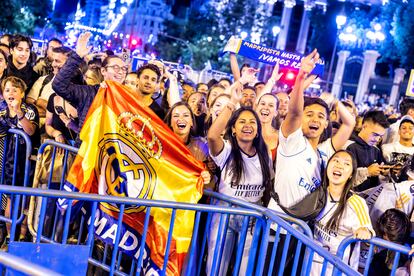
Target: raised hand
x,y
249,76
16,106
235,93
82,48
275,74
308,63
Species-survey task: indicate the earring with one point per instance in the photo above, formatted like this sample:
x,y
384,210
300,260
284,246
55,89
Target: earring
x,y
233,134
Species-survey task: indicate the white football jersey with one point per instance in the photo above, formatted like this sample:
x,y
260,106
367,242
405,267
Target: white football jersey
x,y
355,215
251,184
298,168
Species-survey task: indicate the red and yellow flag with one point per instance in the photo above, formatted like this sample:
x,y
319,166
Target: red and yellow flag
x,y
128,151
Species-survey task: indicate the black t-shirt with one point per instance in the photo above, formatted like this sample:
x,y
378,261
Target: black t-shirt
x,y
27,74
157,110
57,123
7,122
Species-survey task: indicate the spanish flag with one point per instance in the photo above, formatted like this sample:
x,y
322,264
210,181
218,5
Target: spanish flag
x,y
128,151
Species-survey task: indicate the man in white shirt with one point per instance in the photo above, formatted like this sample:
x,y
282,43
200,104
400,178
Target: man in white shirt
x,y
301,158
406,108
402,150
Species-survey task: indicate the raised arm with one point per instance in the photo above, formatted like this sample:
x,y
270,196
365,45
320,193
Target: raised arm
x,y
234,65
62,84
346,128
215,141
293,119
173,95
271,81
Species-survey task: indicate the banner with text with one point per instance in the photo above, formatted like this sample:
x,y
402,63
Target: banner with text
x,y
269,55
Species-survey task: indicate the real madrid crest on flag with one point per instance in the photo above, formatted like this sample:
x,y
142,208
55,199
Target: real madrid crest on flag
x,y
128,151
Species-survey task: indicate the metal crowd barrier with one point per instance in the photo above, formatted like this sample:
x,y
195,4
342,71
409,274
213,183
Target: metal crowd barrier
x,y
257,253
12,265
15,136
374,243
250,219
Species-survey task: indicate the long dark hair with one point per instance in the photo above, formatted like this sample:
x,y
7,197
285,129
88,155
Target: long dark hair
x,y
235,160
168,117
333,222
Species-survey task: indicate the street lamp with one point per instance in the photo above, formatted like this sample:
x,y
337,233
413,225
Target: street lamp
x,y
275,31
340,21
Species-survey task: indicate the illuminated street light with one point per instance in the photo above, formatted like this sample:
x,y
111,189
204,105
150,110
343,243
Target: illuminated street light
x,y
275,30
380,36
340,20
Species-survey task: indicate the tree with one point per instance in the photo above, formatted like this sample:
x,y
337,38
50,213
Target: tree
x,y
399,27
206,32
22,16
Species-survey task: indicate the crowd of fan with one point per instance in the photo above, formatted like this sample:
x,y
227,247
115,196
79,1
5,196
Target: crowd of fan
x,y
267,148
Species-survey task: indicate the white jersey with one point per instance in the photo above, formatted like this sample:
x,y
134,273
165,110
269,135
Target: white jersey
x,y
387,196
355,216
251,186
298,168
396,152
392,136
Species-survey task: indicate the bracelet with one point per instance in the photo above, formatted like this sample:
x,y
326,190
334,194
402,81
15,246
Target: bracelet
x,y
20,118
58,135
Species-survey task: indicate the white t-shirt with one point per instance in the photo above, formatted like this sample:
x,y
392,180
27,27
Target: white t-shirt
x,y
386,196
251,186
298,168
395,150
355,215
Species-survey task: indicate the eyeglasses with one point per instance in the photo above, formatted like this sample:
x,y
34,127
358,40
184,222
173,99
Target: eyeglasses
x,y
117,68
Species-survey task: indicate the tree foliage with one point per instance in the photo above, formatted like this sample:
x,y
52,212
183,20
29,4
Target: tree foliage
x,y
22,16
399,27
207,31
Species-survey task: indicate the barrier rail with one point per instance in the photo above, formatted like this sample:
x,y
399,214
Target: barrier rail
x,y
33,208
14,137
10,264
258,248
232,224
374,242
303,226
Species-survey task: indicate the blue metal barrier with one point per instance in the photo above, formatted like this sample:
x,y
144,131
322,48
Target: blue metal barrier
x,y
15,136
374,242
12,265
258,250
232,218
303,226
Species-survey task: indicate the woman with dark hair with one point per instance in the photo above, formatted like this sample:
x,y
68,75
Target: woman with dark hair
x,y
245,171
181,120
344,214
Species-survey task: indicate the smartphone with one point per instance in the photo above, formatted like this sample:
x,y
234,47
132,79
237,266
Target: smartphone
x,y
59,110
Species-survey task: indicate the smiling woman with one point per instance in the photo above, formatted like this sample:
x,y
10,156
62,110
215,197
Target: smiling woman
x,y
181,120
344,214
245,168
